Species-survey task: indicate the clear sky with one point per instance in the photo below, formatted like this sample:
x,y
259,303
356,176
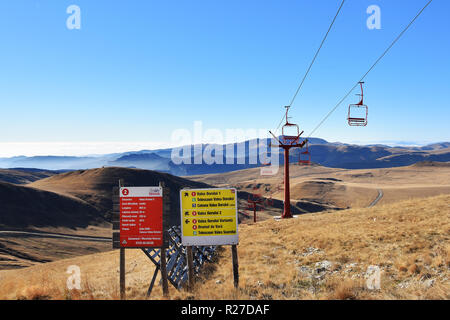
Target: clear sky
x,y
138,70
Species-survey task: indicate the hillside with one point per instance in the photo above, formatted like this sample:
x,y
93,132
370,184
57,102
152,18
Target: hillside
x,y
315,256
24,175
326,256
33,210
27,208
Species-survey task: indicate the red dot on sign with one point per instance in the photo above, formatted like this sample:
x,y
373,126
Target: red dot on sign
x,y
125,192
193,194
194,221
194,227
194,213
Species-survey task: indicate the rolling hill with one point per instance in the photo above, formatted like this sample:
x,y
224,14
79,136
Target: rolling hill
x,y
95,186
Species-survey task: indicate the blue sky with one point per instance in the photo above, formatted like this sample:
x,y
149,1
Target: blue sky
x,y
138,70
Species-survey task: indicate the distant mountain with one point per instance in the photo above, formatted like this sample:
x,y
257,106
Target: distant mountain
x,y
150,161
53,162
367,157
436,146
241,155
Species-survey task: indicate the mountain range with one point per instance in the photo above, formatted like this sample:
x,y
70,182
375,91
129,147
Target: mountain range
x,y
330,154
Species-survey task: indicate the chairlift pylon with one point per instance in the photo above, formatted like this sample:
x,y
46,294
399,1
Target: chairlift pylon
x,y
357,113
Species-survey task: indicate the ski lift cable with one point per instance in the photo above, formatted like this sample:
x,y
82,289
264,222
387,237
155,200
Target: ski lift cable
x,y
370,69
317,53
312,62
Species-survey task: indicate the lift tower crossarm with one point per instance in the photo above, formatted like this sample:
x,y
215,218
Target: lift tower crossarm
x,y
291,145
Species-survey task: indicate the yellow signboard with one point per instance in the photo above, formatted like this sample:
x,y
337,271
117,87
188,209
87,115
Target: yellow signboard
x,y
209,216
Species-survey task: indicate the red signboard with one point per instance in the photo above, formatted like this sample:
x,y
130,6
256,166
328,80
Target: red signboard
x,y
141,211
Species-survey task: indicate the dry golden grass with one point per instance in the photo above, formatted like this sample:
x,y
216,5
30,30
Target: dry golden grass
x,y
408,241
99,278
25,251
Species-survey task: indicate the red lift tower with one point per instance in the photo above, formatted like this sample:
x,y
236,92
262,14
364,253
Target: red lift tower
x,y
253,203
287,142
256,200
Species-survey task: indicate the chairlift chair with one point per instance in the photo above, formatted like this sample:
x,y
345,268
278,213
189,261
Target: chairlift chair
x,y
289,139
357,113
305,156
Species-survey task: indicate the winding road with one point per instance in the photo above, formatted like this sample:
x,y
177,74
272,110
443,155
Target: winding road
x,y
380,195
54,235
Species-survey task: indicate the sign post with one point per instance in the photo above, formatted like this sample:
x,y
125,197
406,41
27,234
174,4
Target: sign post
x,y
190,265
209,217
234,257
122,264
166,214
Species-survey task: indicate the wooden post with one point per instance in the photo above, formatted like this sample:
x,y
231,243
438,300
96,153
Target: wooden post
x,y
163,261
234,256
122,274
190,265
122,262
165,284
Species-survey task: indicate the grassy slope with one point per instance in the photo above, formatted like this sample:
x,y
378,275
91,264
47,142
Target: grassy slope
x,y
24,207
409,241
